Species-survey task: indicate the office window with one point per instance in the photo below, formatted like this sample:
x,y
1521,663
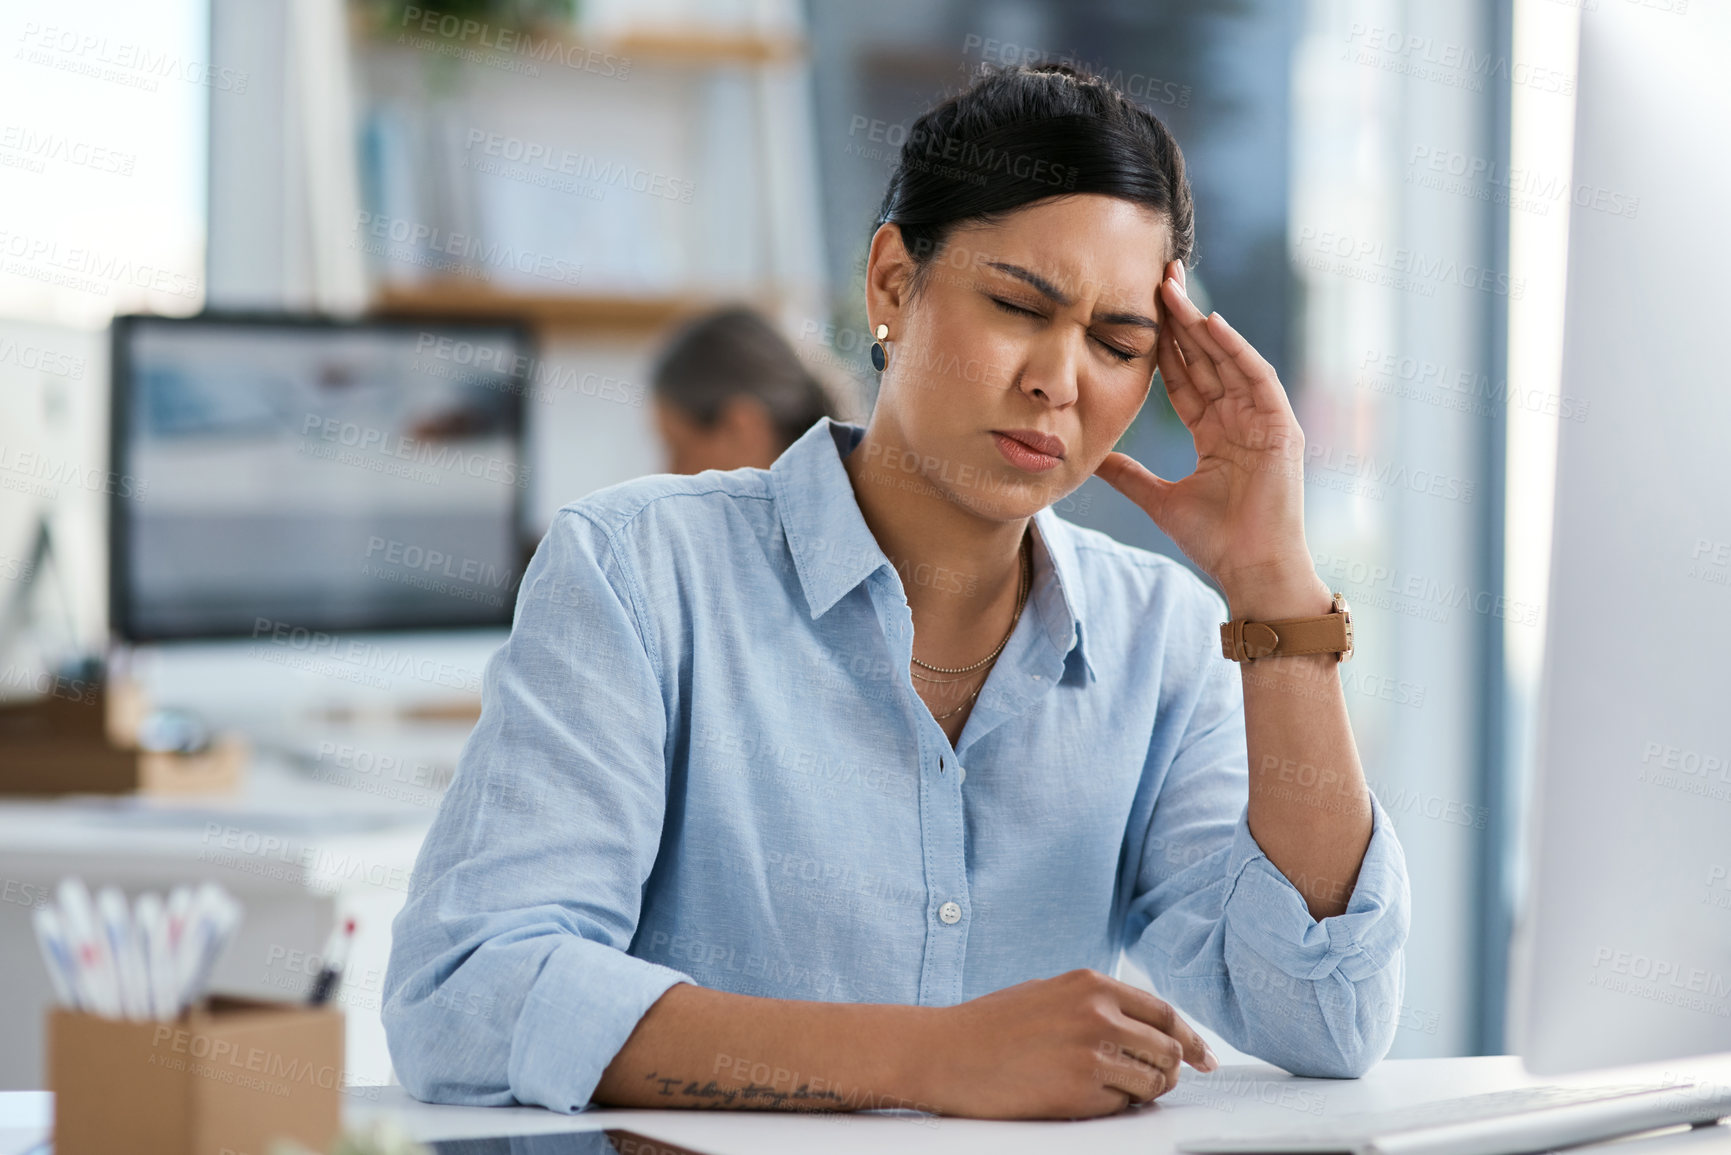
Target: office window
x,y
102,158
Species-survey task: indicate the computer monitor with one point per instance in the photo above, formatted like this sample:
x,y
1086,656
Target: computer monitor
x,y
316,475
1624,946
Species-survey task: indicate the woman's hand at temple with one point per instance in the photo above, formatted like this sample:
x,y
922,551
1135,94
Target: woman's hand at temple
x,y
1240,514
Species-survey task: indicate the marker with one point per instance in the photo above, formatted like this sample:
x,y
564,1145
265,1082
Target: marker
x,y
179,906
336,958
61,971
151,919
212,917
142,962
98,990
123,948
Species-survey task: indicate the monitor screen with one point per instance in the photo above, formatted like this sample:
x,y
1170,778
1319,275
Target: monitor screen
x,y
288,473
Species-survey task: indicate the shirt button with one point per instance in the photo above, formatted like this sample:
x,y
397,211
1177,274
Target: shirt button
x,y
950,913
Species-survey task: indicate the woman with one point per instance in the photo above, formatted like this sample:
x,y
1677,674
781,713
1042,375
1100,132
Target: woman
x,y
845,783
730,392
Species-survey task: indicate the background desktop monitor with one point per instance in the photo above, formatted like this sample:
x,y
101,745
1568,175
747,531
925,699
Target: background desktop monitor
x,y
1624,947
314,475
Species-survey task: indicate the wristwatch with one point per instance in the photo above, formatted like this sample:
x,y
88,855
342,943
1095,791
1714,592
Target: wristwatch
x,y
1244,640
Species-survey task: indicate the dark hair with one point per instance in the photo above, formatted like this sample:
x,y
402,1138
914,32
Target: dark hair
x,y
1025,133
735,352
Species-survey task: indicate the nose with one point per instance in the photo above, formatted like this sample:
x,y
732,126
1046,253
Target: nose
x,y
1049,372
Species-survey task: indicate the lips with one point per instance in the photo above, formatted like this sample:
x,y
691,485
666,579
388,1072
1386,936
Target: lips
x,y
1039,442
1029,449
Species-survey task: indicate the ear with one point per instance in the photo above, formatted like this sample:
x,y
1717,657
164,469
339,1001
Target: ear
x,y
889,271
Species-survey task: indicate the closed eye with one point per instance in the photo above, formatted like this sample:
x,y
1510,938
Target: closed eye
x,y
1019,311
1014,309
1120,354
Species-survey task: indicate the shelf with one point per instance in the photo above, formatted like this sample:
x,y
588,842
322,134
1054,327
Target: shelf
x,y
700,46
548,312
692,45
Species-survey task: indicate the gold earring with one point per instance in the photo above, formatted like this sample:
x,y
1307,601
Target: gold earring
x,y
880,355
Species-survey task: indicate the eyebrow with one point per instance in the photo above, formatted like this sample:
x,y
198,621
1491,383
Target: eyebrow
x,y
1048,289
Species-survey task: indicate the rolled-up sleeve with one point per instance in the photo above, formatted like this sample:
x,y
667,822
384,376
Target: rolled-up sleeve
x,y
509,979
1228,939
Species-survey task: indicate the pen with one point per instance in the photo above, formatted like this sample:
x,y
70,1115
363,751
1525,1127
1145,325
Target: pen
x,y
151,919
93,965
179,905
195,930
142,961
214,917
123,948
54,953
336,958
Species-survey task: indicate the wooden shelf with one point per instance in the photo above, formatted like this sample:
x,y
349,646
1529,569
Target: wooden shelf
x,y
659,44
547,312
701,46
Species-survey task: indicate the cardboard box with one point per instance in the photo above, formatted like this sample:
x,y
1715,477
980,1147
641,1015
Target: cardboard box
x,y
227,1078
83,743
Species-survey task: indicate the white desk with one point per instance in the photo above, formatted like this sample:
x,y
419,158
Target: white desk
x,y
1238,1097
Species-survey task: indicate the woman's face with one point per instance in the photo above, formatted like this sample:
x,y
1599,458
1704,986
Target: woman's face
x,y
1042,323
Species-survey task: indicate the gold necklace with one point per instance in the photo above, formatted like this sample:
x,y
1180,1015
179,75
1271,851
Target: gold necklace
x,y
1024,584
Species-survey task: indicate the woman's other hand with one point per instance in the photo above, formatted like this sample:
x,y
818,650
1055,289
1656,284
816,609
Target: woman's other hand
x,y
1081,1044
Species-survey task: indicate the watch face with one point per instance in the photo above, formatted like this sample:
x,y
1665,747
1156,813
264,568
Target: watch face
x,y
1345,611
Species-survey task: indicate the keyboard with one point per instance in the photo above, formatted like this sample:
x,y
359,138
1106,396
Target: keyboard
x,y
1498,1123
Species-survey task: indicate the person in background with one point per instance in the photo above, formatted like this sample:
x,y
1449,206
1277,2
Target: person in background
x,y
730,392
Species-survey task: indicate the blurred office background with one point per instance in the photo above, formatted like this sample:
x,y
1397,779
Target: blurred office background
x,y
1383,193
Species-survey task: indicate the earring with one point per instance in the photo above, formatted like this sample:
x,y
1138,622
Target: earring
x,y
880,355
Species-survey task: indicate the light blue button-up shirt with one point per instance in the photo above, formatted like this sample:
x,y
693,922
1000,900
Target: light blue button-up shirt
x,y
701,758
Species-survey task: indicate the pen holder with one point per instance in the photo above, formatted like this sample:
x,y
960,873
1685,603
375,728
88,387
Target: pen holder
x,y
229,1077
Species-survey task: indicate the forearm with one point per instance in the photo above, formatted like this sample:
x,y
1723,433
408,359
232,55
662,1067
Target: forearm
x,y
1309,804
698,1047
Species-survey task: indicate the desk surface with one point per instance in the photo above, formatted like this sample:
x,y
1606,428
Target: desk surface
x,y
1240,1097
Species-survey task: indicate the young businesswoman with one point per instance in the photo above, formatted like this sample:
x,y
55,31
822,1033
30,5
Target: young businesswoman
x,y
846,782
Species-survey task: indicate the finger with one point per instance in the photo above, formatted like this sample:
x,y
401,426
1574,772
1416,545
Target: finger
x,y
1135,481
1260,376
1193,327
1139,1081
1159,1014
1151,1046
1189,331
1241,370
1232,359
1235,363
1186,400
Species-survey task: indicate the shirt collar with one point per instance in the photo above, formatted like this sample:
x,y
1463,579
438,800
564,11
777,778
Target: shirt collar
x,y
834,550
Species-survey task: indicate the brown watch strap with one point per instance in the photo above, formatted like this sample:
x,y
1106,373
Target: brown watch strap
x,y
1243,640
